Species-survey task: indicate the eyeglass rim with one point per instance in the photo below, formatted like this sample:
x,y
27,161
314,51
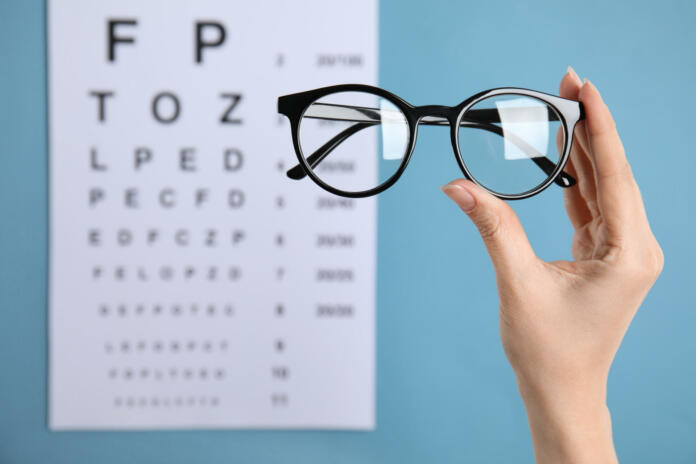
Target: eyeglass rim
x,y
567,138
295,105
290,104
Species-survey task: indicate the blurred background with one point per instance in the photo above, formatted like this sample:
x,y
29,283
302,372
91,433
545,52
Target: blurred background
x,y
445,392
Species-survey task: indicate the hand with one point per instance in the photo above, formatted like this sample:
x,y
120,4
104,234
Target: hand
x,y
562,322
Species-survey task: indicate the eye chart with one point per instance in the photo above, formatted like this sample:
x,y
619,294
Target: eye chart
x,y
192,284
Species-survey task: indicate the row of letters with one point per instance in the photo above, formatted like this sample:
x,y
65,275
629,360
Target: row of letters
x,y
169,198
209,238
185,273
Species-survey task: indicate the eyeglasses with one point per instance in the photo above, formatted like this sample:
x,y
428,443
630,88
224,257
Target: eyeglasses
x,y
512,142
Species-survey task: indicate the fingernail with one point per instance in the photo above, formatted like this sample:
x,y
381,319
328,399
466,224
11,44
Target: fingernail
x,y
461,196
573,74
590,86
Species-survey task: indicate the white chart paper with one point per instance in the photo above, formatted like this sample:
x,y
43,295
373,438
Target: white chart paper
x,y
192,284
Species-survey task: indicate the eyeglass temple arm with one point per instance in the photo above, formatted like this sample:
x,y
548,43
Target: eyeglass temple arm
x,y
297,172
562,179
366,117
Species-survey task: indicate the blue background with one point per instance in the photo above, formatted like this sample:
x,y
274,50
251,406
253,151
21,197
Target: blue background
x,y
445,392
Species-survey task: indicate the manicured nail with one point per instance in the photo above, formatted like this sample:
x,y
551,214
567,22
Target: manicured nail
x,y
461,196
573,74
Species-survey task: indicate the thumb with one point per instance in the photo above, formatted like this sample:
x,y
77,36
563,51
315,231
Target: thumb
x,y
501,231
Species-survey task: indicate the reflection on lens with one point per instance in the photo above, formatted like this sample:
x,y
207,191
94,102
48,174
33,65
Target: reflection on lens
x,y
510,143
353,141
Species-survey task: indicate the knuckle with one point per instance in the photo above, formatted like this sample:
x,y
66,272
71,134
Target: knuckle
x,y
653,263
489,226
658,260
645,266
592,206
621,172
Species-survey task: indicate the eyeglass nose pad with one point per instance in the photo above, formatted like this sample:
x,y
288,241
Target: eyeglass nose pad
x,y
564,180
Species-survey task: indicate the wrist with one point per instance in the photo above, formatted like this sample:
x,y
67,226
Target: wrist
x,y
569,424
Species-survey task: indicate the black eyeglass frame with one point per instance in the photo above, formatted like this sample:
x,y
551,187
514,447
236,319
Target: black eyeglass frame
x,y
568,113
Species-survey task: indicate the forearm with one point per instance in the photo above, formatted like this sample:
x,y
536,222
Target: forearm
x,y
569,427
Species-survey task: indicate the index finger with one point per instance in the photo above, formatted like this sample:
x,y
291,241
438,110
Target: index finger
x,y
617,195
